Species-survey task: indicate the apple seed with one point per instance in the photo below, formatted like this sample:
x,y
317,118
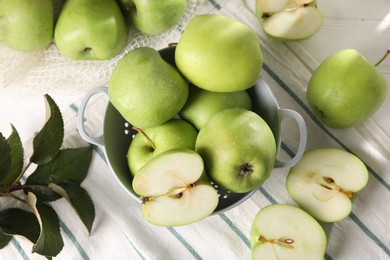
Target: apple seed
x,y
284,242
331,185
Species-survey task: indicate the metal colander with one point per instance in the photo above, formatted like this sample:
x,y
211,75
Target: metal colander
x,y
117,135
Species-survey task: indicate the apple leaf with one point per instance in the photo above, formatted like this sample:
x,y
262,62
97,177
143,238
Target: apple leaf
x,y
48,141
4,240
5,158
16,161
70,164
15,221
79,199
49,242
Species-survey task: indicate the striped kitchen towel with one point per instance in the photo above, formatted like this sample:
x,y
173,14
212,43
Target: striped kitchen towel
x,y
120,232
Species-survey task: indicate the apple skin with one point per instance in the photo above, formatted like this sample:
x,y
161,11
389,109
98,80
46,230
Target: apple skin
x,y
238,149
90,30
219,54
202,104
174,134
26,25
346,89
155,17
145,89
325,181
282,231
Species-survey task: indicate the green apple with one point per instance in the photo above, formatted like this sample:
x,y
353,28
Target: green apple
x,y
203,104
26,25
289,19
282,231
174,189
346,89
154,17
174,134
238,149
325,181
90,29
219,54
145,89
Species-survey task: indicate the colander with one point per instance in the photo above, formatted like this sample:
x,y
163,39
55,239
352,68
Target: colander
x,y
117,135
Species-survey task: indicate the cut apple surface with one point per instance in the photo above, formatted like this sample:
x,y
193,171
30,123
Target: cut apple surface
x,y
281,231
325,181
289,19
174,189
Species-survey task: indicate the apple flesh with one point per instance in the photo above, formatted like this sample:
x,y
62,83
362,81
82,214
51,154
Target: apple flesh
x,y
238,149
281,231
325,181
174,189
346,89
289,19
174,134
218,53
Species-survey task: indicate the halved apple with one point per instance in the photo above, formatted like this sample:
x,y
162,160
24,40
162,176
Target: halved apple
x,y
282,231
325,181
289,19
174,189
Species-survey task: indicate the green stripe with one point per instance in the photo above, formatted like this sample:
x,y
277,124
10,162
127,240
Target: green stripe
x,y
236,230
215,4
369,233
72,238
317,121
19,248
184,243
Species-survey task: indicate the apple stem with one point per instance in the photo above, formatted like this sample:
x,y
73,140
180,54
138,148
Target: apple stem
x,y
139,130
383,58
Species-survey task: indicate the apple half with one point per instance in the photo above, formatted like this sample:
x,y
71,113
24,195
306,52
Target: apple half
x,y
282,231
289,19
174,189
325,181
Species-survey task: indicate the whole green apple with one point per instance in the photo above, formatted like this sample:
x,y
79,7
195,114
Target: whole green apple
x,y
174,134
26,25
90,29
238,149
219,54
155,17
289,20
145,89
346,89
203,104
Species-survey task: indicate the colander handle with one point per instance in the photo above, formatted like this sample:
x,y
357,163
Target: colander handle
x,y
287,113
99,140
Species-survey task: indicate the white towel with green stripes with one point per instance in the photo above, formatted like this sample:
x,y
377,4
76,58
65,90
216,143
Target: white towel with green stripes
x,y
120,232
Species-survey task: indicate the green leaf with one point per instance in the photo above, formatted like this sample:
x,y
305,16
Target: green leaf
x,y
71,164
50,242
16,159
5,157
4,240
15,221
79,199
48,141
